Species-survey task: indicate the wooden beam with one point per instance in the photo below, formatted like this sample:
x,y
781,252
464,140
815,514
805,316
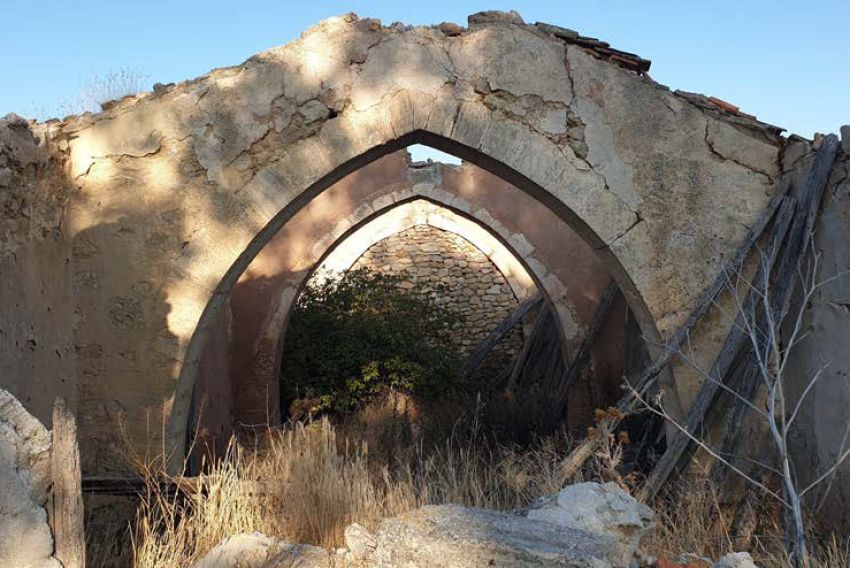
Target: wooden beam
x,y
545,314
804,212
804,221
480,353
735,341
68,531
572,372
628,403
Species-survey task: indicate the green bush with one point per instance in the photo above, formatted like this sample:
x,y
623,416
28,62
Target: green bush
x,y
357,337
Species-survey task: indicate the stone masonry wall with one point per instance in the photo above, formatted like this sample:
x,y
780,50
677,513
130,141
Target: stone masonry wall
x,y
160,199
456,274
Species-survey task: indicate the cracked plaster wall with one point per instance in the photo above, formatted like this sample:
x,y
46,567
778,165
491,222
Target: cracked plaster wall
x,y
163,194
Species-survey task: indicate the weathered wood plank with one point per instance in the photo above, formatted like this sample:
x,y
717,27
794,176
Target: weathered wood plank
x,y
539,323
707,299
804,213
572,372
735,341
480,353
68,531
804,221
543,318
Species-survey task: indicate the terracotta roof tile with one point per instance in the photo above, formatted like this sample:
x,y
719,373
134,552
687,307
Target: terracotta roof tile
x,y
600,48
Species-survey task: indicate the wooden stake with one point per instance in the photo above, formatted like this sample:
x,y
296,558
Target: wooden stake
x,y
68,530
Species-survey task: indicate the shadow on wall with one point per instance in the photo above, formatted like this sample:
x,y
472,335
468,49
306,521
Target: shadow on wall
x,y
125,351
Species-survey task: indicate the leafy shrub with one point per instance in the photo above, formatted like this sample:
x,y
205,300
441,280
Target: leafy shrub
x,y
356,337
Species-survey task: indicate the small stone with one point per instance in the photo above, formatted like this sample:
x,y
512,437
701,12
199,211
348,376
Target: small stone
x,y
451,29
359,541
736,560
557,31
161,87
495,17
481,86
5,177
15,120
313,111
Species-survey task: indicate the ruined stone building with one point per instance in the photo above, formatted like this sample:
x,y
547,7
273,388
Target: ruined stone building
x,y
151,254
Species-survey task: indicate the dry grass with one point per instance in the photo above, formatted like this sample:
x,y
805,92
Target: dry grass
x,y
306,485
695,524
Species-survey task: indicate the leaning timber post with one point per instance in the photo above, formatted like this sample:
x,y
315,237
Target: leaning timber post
x,y
67,503
804,212
629,403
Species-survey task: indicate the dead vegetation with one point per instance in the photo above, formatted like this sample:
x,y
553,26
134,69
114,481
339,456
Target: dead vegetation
x,y
307,482
695,524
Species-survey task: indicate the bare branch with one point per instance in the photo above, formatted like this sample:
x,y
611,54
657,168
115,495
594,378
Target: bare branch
x,y
707,448
804,394
706,375
845,452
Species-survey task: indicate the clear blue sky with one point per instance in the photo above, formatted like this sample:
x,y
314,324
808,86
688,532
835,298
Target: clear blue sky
x,y
788,62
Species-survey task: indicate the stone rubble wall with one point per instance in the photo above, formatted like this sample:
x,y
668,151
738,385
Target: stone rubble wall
x,y
455,274
37,355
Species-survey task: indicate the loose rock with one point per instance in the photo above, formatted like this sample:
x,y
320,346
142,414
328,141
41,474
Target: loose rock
x,y
451,29
25,537
257,550
495,16
449,535
736,560
600,509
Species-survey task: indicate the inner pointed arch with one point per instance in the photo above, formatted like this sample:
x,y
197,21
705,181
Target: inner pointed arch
x,y
421,211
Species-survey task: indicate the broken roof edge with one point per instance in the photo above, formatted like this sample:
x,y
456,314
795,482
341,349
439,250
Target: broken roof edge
x,y
633,62
602,50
